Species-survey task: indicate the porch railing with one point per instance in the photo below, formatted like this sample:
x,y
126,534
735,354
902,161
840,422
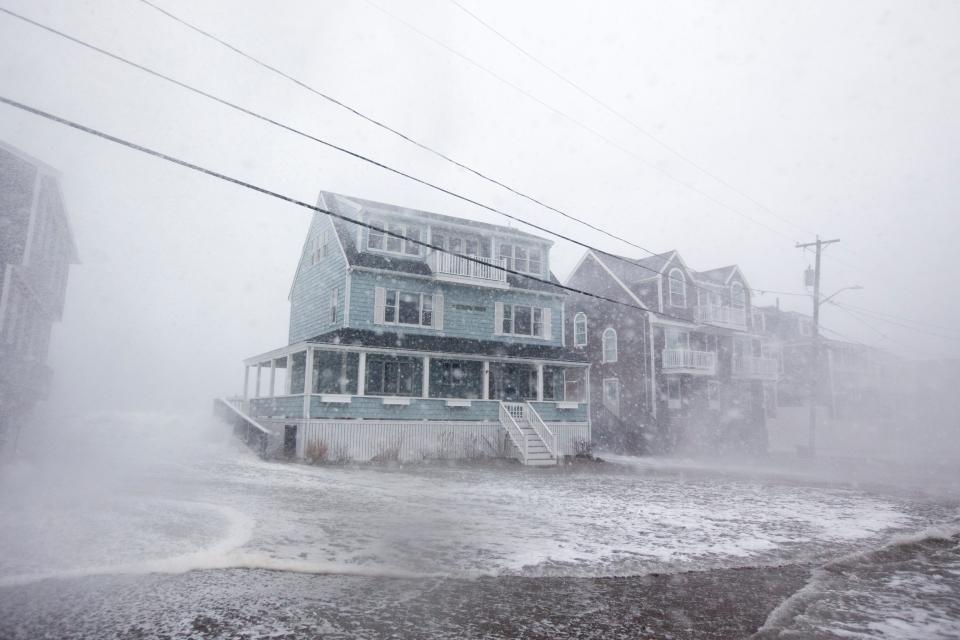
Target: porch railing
x,y
244,427
756,367
688,359
721,314
444,263
508,421
548,437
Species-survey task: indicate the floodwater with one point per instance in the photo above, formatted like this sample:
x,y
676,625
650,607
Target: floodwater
x,y
163,526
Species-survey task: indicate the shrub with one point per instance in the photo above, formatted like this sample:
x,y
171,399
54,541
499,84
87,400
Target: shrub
x,y
388,452
317,452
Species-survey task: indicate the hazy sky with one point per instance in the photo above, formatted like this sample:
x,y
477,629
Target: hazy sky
x,y
840,117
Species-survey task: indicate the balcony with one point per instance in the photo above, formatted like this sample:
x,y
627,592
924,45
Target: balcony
x,y
447,266
722,315
756,368
689,361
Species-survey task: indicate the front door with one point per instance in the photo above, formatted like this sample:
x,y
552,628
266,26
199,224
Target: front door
x,y
290,440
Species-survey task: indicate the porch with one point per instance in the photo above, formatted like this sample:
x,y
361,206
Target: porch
x,y
369,402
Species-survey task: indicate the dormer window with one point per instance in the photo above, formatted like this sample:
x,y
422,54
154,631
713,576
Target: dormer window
x,y
522,258
677,288
394,237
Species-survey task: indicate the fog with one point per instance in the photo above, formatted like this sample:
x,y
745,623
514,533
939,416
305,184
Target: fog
x,y
755,126
837,118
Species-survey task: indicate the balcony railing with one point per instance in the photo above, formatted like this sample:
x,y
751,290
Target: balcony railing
x,y
698,361
721,314
448,264
756,367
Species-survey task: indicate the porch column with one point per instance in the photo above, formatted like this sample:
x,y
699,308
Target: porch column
x,y
256,392
362,373
486,379
426,377
307,382
539,382
288,379
246,382
273,376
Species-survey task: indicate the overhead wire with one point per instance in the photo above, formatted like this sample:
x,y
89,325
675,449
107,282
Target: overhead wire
x,y
345,150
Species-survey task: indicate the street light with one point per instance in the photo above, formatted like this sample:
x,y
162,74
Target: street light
x,y
838,292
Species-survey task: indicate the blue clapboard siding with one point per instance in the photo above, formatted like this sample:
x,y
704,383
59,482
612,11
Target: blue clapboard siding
x,y
372,408
310,295
550,413
285,406
468,311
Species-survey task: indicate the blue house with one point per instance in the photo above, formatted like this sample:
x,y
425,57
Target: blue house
x,y
399,350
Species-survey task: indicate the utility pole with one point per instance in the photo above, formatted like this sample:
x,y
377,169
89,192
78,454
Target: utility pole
x,y
815,343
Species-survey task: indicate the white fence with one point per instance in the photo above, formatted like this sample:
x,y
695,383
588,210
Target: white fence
x,y
689,359
482,268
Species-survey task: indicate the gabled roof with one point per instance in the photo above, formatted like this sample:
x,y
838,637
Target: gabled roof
x,y
720,276
347,234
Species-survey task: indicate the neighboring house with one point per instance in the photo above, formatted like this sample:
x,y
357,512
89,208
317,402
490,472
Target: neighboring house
x,y
36,251
680,369
853,380
406,351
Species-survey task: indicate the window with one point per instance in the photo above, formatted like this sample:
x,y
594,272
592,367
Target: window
x,y
674,400
677,286
554,383
456,378
580,330
679,340
403,307
394,376
522,258
611,395
738,299
523,320
334,304
395,237
609,346
335,371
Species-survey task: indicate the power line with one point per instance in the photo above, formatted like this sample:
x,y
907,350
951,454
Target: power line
x,y
573,120
339,148
890,315
400,134
300,203
624,118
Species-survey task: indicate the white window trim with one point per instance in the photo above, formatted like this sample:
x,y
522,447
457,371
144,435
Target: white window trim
x,y
733,296
335,305
580,317
683,287
512,257
604,341
420,296
384,226
546,320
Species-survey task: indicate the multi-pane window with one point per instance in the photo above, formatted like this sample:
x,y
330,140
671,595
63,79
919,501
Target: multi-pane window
x,y
678,339
403,307
522,258
580,330
737,297
522,320
677,286
456,378
394,376
395,237
609,345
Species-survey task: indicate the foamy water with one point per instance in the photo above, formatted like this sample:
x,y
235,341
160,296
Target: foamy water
x,y
200,502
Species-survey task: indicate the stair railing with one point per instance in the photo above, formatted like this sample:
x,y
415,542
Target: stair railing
x,y
549,438
513,430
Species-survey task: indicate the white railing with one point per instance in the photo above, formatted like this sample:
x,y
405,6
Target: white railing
x,y
689,359
756,367
548,437
721,314
509,423
444,263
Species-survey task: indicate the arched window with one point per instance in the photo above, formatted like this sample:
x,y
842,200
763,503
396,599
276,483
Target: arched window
x,y
738,299
580,329
677,287
609,345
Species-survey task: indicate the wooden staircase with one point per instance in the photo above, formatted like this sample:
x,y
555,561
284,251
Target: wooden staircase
x,y
536,444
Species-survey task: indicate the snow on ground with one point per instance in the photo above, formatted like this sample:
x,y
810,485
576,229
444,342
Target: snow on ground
x,y
168,496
